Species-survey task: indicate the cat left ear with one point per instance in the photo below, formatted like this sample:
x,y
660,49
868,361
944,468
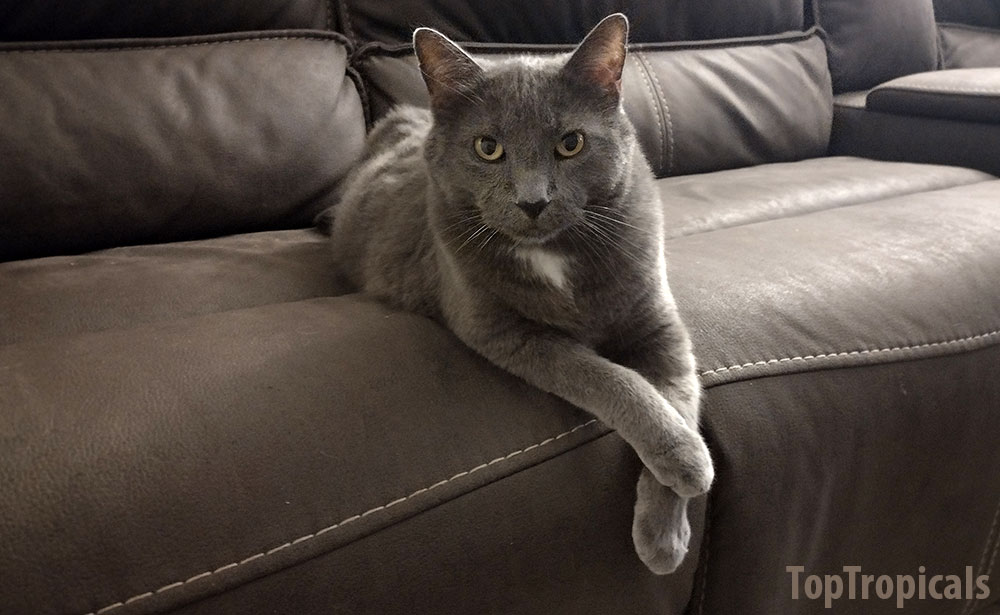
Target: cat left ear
x,y
449,72
600,58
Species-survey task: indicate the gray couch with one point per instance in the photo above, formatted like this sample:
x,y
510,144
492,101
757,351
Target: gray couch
x,y
195,418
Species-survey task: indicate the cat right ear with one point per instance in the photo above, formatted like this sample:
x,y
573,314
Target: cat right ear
x,y
600,59
450,73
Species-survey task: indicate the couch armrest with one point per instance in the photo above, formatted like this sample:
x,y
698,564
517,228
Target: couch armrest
x,y
947,117
969,94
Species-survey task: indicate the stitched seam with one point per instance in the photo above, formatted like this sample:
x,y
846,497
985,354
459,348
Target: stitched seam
x,y
666,112
303,37
339,524
656,108
935,89
345,19
329,14
850,353
991,539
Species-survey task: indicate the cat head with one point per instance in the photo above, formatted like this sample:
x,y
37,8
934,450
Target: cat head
x,y
526,143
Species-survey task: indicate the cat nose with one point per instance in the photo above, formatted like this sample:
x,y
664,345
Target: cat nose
x,y
533,208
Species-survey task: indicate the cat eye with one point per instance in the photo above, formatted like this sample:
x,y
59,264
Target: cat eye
x,y
488,149
570,145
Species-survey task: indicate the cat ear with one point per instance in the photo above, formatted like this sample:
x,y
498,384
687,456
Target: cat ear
x,y
599,59
449,72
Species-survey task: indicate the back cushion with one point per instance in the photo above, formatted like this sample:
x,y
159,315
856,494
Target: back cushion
x,y
873,41
696,107
136,142
972,12
39,20
969,46
563,21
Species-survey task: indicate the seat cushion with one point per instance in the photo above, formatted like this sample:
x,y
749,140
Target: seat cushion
x,y
710,201
310,453
124,287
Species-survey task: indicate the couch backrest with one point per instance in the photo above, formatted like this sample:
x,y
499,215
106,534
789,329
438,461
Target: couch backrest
x,y
758,92
872,41
199,119
983,13
144,140
44,20
969,32
565,21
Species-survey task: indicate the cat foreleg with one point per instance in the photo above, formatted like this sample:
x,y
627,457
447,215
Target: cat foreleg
x,y
617,395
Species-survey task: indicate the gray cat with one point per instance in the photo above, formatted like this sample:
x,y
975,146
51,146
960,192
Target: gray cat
x,y
520,212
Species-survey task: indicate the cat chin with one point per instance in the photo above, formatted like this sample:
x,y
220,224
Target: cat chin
x,y
534,241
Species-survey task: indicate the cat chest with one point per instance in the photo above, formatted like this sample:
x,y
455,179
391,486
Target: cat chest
x,y
545,266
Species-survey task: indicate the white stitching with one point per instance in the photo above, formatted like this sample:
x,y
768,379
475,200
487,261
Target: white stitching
x,y
342,523
656,108
666,113
994,539
830,355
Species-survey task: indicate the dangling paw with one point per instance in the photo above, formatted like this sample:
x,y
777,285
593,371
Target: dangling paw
x,y
682,463
660,529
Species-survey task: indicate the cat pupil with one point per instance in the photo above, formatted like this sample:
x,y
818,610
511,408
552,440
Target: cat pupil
x,y
569,141
489,146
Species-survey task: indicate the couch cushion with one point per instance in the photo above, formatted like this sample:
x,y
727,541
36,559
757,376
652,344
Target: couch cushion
x,y
557,21
968,94
37,20
710,201
697,107
851,361
969,47
314,452
124,287
858,131
972,12
196,455
125,142
871,41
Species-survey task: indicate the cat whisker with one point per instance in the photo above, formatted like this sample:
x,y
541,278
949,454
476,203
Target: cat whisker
x,y
487,240
613,232
466,220
591,245
479,231
614,240
615,220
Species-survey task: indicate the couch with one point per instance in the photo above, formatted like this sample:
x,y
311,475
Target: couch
x,y
195,417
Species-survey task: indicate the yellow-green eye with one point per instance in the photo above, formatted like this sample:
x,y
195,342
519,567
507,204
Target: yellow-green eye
x,y
488,149
570,145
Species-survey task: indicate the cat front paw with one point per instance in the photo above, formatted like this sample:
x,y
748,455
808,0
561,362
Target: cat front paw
x,y
684,465
660,528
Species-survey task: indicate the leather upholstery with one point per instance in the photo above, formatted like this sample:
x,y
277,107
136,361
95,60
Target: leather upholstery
x,y
871,41
216,426
696,108
558,21
712,201
974,12
971,94
126,287
265,439
969,47
39,20
890,136
148,141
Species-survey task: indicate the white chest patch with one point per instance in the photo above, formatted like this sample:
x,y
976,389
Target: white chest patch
x,y
546,265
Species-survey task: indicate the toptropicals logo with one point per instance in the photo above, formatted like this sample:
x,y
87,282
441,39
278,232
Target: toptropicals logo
x,y
902,587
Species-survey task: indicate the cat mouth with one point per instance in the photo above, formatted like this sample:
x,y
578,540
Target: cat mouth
x,y
535,237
